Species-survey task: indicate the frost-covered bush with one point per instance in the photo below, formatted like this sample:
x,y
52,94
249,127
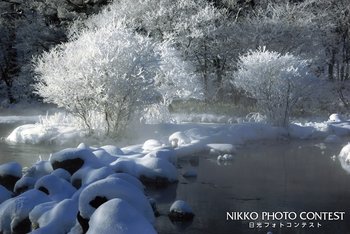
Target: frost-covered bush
x,y
278,82
111,73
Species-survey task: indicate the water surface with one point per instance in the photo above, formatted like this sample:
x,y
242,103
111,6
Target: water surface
x,y
276,176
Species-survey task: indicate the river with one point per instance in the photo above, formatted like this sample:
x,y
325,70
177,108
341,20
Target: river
x,y
286,176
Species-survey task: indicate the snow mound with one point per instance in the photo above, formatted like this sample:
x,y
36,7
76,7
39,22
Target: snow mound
x,y
151,145
11,168
148,169
106,189
56,188
37,133
10,173
180,211
88,175
112,150
119,217
15,211
335,118
72,159
39,169
345,153
54,218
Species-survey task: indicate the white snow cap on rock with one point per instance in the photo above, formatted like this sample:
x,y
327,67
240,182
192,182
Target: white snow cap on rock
x,y
54,218
181,206
335,118
110,188
117,216
11,168
151,145
14,210
345,153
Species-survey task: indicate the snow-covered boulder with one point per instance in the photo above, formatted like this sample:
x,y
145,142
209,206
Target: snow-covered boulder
x,y
105,157
167,154
39,133
225,157
178,139
151,171
112,150
87,175
129,178
24,184
345,153
56,188
72,159
54,218
61,173
9,174
119,217
335,118
104,190
180,211
151,145
15,211
39,169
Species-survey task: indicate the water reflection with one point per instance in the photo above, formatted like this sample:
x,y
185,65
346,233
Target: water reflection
x,y
283,176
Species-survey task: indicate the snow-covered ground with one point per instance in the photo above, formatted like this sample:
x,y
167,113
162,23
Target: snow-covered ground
x,y
67,193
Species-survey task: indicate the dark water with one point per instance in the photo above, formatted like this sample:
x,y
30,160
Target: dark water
x,y
282,176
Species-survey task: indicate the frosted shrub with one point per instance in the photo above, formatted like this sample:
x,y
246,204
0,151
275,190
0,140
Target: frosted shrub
x,y
278,82
108,74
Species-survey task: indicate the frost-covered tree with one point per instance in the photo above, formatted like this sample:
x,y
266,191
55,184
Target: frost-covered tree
x,y
110,72
276,81
194,27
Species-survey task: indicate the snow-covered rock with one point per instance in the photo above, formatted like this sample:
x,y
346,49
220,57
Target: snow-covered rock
x,y
56,188
72,159
54,218
112,150
103,190
180,211
10,173
225,157
335,118
178,139
345,153
119,217
151,145
39,169
154,171
38,133
15,211
24,184
87,175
